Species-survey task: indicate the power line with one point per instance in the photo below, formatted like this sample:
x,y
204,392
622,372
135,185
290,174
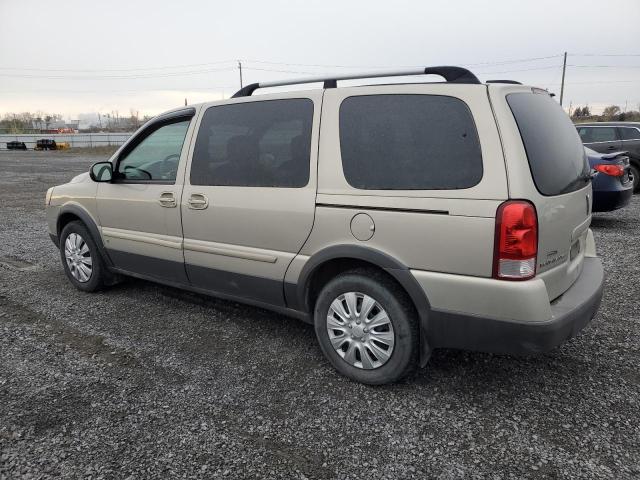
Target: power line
x,y
185,89
229,87
115,77
523,70
98,70
604,66
507,62
605,54
193,65
483,73
280,71
501,62
605,82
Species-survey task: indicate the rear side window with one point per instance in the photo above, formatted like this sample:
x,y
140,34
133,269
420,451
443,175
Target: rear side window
x,y
630,133
556,156
409,142
255,144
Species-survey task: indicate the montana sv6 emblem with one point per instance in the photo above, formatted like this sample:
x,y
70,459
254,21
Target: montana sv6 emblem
x,y
552,259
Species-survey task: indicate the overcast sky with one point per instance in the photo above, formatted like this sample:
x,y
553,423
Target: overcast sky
x,y
77,56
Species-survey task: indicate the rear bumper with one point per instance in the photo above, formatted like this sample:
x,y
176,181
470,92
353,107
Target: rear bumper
x,y
604,201
570,314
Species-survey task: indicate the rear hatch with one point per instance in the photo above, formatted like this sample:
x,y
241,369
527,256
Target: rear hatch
x,y
547,166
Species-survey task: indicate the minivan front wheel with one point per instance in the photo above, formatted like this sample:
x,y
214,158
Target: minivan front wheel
x,y
80,258
367,327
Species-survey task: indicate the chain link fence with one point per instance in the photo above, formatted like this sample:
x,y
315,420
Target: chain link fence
x,y
73,139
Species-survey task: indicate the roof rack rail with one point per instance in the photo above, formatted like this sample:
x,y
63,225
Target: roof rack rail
x,y
450,74
513,82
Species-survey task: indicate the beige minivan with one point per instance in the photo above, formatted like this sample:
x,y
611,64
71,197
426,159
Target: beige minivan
x,y
396,218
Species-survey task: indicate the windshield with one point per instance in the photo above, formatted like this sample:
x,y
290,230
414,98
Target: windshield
x,y
556,155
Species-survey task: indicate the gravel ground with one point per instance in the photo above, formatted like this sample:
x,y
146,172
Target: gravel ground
x,y
144,381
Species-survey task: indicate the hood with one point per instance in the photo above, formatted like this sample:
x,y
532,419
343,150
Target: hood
x,y
83,177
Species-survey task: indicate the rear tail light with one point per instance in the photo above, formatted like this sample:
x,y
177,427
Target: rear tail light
x,y
608,169
516,242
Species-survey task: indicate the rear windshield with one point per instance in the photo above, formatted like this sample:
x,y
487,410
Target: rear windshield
x,y
556,156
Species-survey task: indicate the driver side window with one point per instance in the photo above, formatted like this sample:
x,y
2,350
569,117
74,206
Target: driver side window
x,y
156,157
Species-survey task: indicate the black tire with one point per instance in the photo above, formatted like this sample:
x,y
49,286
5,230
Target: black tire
x,y
405,355
99,274
635,171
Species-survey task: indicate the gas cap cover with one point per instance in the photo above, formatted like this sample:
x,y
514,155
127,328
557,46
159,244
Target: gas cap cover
x,y
362,226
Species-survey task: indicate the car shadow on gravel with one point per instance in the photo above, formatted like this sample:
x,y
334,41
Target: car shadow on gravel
x,y
521,375
601,221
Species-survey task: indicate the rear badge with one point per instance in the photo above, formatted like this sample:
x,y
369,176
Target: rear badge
x,y
552,259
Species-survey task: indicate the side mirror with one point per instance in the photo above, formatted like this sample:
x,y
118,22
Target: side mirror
x,y
101,172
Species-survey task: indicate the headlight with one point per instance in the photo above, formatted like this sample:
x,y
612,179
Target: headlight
x,y
48,198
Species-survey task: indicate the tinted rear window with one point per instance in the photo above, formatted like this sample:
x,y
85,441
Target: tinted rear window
x,y
556,156
409,142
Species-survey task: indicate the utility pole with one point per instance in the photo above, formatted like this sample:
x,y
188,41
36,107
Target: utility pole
x,y
240,69
564,69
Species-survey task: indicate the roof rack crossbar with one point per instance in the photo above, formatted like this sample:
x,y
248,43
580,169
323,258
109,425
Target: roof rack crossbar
x,y
450,74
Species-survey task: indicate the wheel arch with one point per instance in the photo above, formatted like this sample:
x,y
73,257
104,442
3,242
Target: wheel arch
x,y
336,259
70,213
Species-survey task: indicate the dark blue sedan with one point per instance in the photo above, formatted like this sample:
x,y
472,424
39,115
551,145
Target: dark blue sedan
x,y
613,183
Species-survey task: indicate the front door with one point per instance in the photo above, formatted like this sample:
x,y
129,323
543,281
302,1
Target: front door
x,y
249,199
139,210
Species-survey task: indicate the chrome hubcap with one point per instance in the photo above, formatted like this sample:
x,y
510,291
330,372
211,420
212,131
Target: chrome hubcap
x,y
360,330
78,257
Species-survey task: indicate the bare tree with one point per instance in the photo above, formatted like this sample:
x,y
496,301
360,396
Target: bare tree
x,y
611,111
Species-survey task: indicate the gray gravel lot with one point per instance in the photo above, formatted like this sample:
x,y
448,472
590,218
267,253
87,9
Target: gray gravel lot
x,y
144,381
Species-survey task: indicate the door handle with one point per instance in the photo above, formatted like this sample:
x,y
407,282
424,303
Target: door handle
x,y
198,201
611,147
168,200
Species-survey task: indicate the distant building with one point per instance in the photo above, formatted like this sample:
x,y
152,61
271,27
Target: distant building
x,y
55,126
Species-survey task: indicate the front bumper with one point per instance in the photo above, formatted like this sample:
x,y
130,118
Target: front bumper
x,y
571,312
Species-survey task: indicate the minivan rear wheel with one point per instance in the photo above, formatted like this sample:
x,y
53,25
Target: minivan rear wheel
x,y
367,327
